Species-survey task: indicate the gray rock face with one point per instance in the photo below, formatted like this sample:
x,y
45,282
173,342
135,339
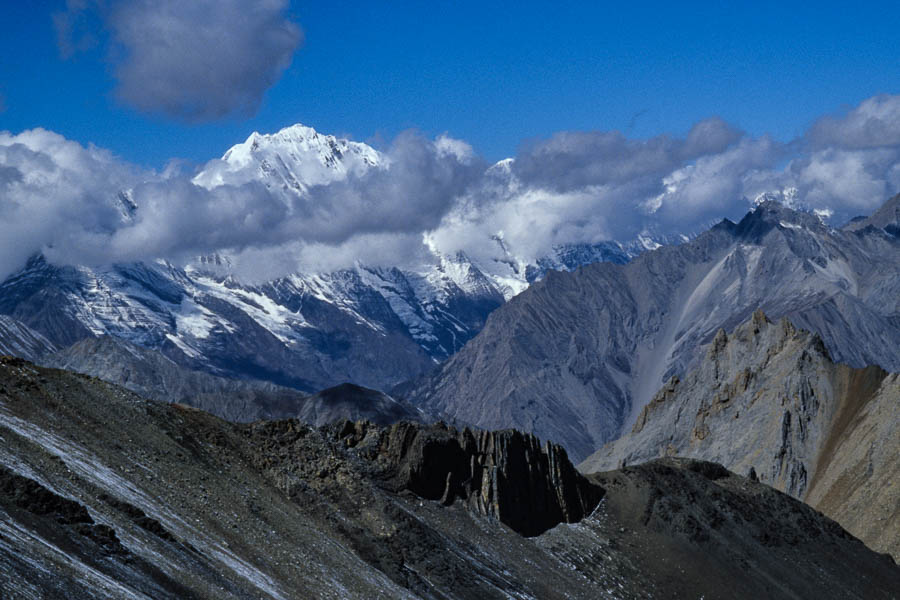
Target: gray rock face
x,y
17,339
506,474
149,373
575,357
886,218
767,399
168,502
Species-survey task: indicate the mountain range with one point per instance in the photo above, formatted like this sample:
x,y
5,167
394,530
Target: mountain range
x,y
374,326
569,348
731,399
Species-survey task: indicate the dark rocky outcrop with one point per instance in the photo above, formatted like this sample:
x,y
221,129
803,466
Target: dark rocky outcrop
x,y
28,494
507,475
138,517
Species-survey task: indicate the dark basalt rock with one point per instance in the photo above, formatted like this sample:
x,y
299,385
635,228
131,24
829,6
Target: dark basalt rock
x,y
27,494
508,475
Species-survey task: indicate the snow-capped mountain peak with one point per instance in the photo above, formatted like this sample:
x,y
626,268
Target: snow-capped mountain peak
x,y
293,159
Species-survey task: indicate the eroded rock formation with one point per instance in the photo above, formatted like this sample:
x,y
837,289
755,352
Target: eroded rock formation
x,y
504,474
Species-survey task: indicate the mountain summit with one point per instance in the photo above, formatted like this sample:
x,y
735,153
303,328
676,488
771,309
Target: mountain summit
x,y
292,160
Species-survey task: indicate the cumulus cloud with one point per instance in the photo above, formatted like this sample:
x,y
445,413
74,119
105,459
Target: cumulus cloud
x,y
50,188
574,159
588,187
419,187
875,123
63,199
199,60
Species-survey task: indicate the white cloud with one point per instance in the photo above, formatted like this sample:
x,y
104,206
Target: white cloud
x,y
874,123
60,198
52,189
196,60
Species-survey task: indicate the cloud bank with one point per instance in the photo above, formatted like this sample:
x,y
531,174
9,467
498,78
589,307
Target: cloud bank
x,y
63,199
196,60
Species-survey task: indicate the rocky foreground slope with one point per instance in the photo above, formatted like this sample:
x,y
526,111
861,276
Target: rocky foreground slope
x,y
767,400
575,357
165,501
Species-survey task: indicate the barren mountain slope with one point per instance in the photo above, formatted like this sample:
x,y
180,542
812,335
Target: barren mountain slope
x,y
154,376
163,501
17,339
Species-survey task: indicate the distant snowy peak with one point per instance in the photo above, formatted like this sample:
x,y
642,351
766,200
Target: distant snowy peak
x,y
790,198
568,257
293,159
462,273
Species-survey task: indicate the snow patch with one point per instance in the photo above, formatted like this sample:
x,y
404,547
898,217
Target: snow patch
x,y
194,320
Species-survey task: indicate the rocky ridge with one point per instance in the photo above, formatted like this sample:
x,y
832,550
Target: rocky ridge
x,y
768,401
886,218
152,375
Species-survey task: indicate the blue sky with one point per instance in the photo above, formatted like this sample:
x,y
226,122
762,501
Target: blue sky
x,y
495,75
